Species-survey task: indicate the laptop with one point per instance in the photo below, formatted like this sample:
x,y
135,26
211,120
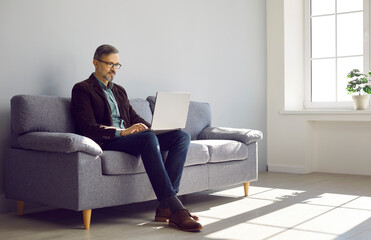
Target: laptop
x,y
170,112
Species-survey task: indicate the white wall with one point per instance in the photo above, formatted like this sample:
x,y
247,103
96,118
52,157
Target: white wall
x,y
215,49
302,141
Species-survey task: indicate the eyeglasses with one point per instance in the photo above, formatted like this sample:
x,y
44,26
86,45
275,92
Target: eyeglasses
x,y
116,65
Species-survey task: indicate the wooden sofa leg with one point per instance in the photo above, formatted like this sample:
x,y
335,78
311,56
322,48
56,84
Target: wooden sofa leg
x,y
20,207
246,188
86,214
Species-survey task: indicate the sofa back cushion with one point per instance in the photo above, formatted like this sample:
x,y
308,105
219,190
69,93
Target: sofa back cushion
x,y
142,108
41,114
199,116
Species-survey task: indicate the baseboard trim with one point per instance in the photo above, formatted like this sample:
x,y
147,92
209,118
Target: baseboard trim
x,y
287,169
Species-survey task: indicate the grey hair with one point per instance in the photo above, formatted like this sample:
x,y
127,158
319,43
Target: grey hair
x,y
104,50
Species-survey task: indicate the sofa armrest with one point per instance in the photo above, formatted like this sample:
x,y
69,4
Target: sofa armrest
x,y
246,136
58,142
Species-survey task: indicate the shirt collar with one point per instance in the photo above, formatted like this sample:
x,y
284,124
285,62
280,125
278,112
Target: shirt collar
x,y
109,85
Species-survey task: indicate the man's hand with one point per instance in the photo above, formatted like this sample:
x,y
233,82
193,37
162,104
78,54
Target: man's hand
x,y
133,129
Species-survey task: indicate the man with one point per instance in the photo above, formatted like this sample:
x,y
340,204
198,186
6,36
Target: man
x,y
103,113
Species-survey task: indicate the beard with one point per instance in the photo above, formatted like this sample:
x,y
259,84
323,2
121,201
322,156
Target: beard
x,y
109,76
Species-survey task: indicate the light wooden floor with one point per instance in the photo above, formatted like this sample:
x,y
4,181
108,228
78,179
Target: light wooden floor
x,y
280,206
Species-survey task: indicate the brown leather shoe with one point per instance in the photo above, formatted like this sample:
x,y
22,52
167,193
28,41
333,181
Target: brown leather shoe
x,y
182,220
163,215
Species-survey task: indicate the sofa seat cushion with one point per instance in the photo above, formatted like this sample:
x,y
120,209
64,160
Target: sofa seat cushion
x,y
119,163
197,154
224,150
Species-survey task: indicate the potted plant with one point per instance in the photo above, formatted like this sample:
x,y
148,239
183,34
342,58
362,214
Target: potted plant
x,y
359,84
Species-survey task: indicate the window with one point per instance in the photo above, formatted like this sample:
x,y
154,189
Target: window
x,y
338,43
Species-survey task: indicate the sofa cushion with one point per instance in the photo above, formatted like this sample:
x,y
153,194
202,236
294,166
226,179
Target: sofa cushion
x,y
199,116
224,150
244,135
197,154
41,113
58,142
142,108
117,163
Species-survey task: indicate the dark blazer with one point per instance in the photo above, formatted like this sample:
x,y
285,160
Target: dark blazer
x,y
92,114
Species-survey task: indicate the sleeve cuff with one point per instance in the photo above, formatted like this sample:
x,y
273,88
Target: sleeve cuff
x,y
118,133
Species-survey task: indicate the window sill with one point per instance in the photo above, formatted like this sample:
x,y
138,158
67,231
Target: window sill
x,y
326,112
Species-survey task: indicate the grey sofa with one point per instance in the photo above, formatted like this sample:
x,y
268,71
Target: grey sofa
x,y
51,165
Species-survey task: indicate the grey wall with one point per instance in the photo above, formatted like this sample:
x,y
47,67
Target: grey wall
x,y
215,49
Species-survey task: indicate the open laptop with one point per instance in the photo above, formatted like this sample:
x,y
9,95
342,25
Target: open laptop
x,y
170,112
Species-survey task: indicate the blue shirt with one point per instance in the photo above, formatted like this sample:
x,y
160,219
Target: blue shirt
x,y
115,113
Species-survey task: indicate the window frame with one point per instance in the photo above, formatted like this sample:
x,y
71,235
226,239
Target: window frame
x,y
308,104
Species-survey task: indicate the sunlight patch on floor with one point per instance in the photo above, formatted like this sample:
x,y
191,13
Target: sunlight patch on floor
x,y
338,221
331,199
361,203
245,231
232,209
287,214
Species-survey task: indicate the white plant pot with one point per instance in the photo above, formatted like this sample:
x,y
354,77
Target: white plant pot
x,y
361,101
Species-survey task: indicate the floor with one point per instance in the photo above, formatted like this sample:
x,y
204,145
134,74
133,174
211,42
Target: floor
x,y
280,206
